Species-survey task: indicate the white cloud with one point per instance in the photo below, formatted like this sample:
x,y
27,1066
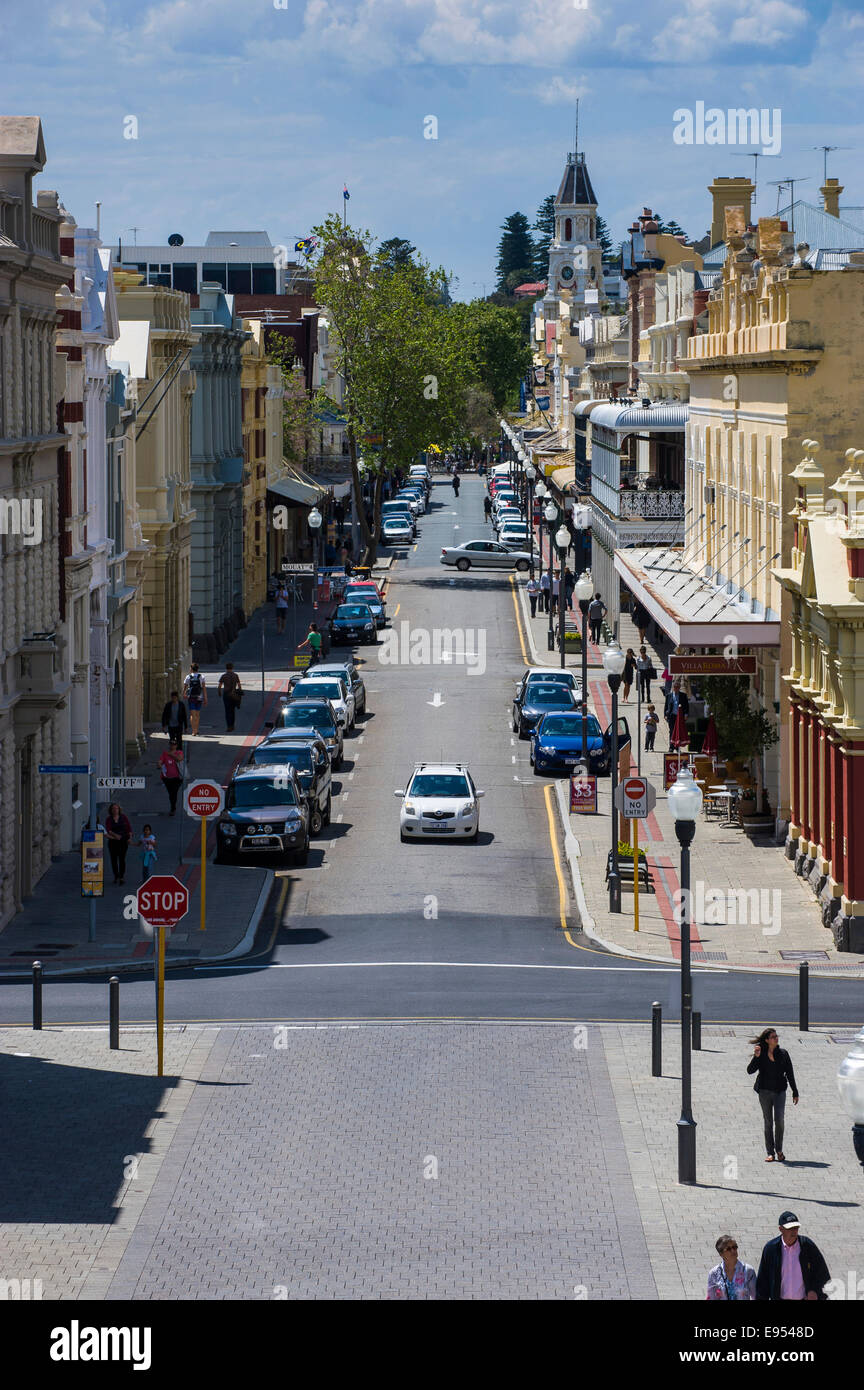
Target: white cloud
x,y
559,92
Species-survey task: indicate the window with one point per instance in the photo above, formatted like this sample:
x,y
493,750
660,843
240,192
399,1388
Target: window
x,y
568,229
239,279
214,272
186,277
263,279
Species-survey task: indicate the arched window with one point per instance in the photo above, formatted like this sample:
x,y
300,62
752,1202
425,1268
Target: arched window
x,y
568,229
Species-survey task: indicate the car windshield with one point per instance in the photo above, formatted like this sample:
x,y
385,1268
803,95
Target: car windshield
x,y
326,689
261,791
553,678
548,695
571,725
298,758
353,611
301,716
368,595
440,784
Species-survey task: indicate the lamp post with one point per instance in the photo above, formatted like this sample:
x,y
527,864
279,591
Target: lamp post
x,y
613,665
583,590
850,1084
562,540
541,492
313,521
685,803
530,477
550,511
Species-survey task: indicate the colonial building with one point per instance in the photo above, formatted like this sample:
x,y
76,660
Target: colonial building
x,y
36,810
261,385
824,588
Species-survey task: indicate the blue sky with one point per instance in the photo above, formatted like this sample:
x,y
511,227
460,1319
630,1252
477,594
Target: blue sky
x,y
253,116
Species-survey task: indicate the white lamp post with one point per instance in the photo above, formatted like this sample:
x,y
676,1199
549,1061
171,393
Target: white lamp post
x,y
314,521
685,803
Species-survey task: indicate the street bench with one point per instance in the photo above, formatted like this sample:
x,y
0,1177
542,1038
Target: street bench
x,y
625,872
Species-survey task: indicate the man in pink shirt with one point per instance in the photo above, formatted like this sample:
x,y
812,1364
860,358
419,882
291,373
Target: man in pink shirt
x,y
792,1267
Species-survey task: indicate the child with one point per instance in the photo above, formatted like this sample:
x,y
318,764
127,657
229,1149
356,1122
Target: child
x,y
148,852
652,719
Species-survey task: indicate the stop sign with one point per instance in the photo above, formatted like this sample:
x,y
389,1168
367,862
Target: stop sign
x,y
204,798
162,900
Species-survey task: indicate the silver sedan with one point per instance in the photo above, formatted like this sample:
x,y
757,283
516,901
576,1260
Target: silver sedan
x,y
484,555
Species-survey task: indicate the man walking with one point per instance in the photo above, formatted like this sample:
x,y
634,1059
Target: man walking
x,y
455,484
545,586
195,695
676,700
597,611
174,719
487,506
792,1267
230,689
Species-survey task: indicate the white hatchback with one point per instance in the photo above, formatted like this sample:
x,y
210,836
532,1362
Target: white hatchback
x,y
440,799
328,686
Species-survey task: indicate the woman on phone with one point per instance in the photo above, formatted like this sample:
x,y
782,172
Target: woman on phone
x,y
774,1075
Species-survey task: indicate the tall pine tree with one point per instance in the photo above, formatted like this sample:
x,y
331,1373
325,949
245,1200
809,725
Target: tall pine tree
x,y
515,249
544,224
605,239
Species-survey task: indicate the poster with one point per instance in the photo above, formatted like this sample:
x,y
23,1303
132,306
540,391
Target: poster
x,y
583,795
92,864
672,764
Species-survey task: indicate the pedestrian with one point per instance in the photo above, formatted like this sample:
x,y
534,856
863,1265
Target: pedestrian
x,y
569,586
597,611
148,852
456,484
231,690
774,1075
281,608
171,772
195,695
556,589
640,620
652,719
676,700
666,678
312,640
545,587
792,1267
645,673
487,506
533,589
731,1279
119,833
174,718
628,673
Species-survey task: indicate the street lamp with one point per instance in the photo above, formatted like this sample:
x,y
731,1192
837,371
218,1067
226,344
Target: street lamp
x,y
541,492
530,478
685,803
550,511
613,664
850,1084
314,521
562,540
583,589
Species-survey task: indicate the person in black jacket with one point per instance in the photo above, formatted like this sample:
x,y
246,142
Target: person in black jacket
x,y
175,719
792,1267
773,1067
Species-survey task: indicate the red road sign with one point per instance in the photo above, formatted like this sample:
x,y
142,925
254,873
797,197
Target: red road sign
x,y
635,798
162,900
203,798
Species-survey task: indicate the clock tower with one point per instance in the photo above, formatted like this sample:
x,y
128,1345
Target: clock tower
x,y
575,255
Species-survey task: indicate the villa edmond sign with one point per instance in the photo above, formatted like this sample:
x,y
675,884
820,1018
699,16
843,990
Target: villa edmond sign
x,y
712,665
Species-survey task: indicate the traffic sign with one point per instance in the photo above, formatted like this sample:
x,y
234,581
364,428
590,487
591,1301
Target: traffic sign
x,y
635,798
203,799
286,568
79,769
162,900
123,784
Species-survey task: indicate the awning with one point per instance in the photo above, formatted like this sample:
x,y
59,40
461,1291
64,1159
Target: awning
x,y
691,610
630,419
564,478
295,490
584,407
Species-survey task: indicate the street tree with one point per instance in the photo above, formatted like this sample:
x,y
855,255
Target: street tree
x,y
544,226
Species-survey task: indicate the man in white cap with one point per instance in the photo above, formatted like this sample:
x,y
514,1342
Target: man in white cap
x,y
792,1267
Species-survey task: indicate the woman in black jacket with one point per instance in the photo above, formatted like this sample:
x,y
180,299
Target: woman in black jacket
x,y
773,1067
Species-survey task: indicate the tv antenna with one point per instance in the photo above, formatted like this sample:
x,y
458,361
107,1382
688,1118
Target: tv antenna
x,y
790,184
135,231
826,150
756,156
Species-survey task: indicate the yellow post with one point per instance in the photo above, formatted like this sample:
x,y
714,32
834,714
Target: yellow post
x,y
636,875
160,1000
203,870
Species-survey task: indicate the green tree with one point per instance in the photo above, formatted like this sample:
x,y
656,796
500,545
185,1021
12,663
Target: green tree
x,y
515,249
670,228
518,277
497,352
544,224
744,730
396,252
605,239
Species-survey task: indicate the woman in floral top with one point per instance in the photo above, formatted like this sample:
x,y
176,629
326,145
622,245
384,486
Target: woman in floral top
x,y
731,1279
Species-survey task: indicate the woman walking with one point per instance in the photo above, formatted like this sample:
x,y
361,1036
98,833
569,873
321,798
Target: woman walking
x,y
731,1279
119,833
628,674
774,1075
171,770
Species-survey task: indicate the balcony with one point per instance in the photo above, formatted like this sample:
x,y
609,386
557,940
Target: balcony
x,y
635,503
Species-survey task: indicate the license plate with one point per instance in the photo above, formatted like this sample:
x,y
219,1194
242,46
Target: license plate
x,y
440,829
572,760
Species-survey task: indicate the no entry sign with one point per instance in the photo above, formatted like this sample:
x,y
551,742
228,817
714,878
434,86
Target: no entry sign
x,y
203,799
635,798
162,900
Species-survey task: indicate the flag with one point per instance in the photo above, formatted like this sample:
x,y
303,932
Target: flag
x,y
345,194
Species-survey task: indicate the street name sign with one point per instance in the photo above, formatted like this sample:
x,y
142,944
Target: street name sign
x,y
121,784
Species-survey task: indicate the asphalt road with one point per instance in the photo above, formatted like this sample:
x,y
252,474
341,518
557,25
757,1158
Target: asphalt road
x,y
376,929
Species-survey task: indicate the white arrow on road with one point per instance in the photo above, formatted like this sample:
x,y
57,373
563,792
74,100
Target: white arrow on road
x,y
436,702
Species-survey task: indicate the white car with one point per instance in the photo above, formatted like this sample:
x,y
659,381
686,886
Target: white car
x,y
515,536
412,501
440,799
502,500
328,686
507,514
395,531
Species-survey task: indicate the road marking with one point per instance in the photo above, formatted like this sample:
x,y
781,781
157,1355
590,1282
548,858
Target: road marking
x,y
518,621
398,606
350,776
562,888
670,969
436,702
512,757
340,816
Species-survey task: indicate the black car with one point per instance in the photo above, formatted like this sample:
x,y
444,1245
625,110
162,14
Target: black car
x,y
353,622
314,714
538,698
265,813
311,764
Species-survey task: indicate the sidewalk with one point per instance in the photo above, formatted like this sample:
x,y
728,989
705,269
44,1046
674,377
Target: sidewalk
x,y
53,924
783,922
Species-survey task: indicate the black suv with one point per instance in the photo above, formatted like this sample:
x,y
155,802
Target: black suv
x,y
308,757
265,813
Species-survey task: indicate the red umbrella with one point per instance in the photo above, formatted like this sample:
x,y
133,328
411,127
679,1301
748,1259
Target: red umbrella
x,y
680,737
709,743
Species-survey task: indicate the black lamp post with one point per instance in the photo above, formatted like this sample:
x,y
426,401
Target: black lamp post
x,y
314,521
685,803
613,664
550,511
530,477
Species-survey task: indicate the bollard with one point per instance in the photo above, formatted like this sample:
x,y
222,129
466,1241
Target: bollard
x,y
656,1040
37,995
697,1032
114,1013
804,997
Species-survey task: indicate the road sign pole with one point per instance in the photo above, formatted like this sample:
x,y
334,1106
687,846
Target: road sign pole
x,y
203,871
263,687
91,925
160,1001
635,825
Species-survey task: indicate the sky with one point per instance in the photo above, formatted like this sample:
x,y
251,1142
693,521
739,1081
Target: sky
x,y
254,113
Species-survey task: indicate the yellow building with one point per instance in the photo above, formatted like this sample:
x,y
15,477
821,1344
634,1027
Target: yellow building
x,y
261,384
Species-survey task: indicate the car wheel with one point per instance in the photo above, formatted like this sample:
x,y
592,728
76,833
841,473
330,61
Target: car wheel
x,y
316,821
301,856
463,565
472,839
403,837
337,763
521,564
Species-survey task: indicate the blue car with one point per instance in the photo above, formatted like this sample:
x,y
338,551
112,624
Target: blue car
x,y
538,698
556,743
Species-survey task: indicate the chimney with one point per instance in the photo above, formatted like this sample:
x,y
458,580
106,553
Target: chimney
x,y
736,192
831,190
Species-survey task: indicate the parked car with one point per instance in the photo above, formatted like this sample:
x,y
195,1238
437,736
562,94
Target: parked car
x,y
311,764
316,714
413,501
564,676
402,511
440,799
515,538
507,514
537,699
352,622
333,688
484,555
265,813
396,530
364,591
349,672
556,742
